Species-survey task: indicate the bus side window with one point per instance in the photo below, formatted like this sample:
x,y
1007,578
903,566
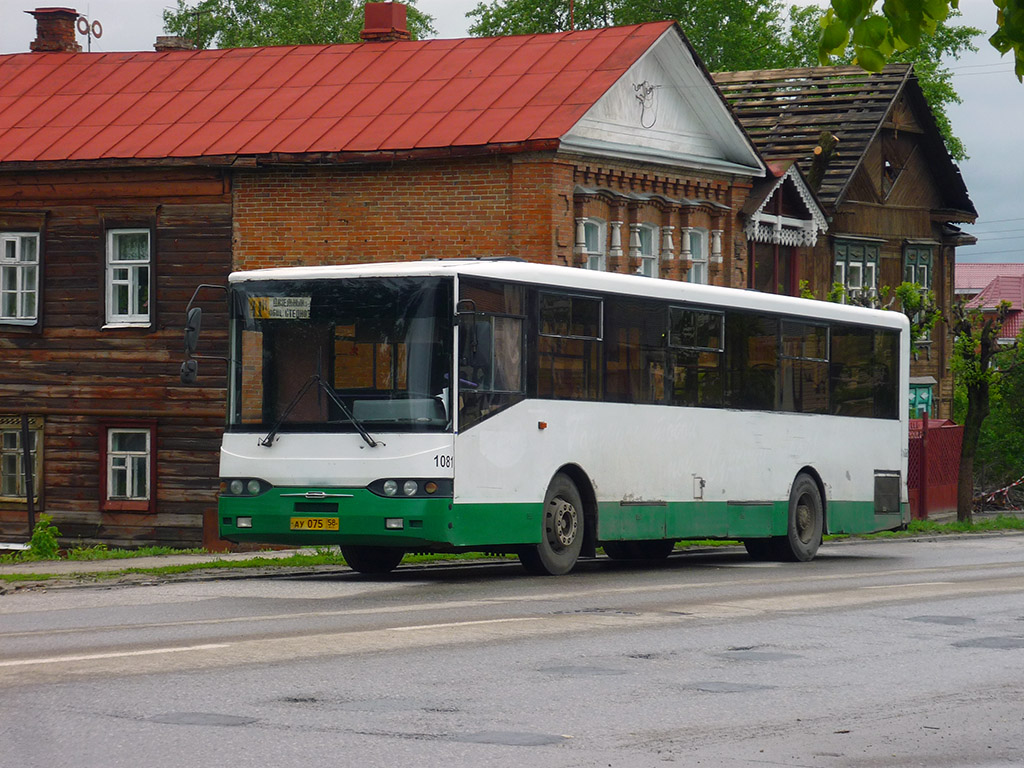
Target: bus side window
x,y
491,354
491,343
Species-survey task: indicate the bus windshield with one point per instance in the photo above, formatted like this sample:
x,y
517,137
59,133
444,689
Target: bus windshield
x,y
341,355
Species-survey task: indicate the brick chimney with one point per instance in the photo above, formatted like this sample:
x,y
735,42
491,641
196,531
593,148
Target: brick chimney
x,y
55,30
166,43
385,23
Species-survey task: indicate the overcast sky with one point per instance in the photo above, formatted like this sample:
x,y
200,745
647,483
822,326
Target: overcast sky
x,y
990,120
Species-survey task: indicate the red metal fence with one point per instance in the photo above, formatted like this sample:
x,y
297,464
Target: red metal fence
x,y
935,445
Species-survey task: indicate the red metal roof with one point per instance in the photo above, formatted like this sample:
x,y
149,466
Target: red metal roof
x,y
971,278
1008,288
364,97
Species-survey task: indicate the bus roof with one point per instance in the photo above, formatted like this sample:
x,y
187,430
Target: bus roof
x,y
577,279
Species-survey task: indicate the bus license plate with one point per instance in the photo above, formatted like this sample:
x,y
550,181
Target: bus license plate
x,y
314,524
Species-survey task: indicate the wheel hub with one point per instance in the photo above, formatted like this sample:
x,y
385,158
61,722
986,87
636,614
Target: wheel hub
x,y
564,523
804,522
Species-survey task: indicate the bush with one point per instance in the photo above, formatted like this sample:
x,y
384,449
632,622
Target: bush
x,y
43,545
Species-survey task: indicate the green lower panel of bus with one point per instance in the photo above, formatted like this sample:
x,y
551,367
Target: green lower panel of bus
x,y
357,516
729,520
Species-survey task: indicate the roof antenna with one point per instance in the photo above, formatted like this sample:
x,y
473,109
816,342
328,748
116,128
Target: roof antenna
x,y
89,29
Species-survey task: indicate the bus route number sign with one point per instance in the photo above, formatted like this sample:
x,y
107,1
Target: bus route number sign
x,y
280,307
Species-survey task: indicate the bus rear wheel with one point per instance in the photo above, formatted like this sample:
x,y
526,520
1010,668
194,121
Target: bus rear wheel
x,y
561,531
804,527
806,522
372,560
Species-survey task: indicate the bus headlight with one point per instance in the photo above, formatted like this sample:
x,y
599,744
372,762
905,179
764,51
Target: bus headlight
x,y
412,488
243,486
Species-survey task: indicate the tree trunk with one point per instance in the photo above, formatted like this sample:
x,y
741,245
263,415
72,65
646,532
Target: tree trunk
x,y
977,410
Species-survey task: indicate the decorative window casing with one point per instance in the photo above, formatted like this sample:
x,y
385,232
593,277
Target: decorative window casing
x,y
856,268
594,238
128,276
128,469
918,263
19,278
648,250
698,242
918,266
12,457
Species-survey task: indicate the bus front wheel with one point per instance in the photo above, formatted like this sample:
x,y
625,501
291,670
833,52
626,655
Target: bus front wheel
x,y
561,531
372,560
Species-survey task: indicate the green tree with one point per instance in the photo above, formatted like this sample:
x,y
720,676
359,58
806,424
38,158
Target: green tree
x,y
880,30
537,17
999,460
728,34
247,23
980,364
935,78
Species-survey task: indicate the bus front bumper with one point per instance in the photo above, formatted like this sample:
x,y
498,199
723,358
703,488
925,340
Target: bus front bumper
x,y
336,516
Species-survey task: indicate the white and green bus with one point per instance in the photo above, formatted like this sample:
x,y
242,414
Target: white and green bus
x,y
509,407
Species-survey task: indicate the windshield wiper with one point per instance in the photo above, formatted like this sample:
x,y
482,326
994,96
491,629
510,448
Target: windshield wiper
x,y
317,379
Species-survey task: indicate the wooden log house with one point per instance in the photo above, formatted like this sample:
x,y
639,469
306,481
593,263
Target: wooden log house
x,y
876,161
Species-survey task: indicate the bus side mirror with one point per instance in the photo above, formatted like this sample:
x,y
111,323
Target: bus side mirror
x,y
192,325
189,372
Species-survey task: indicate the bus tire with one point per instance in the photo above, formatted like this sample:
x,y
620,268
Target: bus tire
x,y
561,531
372,560
806,521
652,549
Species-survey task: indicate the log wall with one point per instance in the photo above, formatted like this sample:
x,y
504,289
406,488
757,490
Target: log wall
x,y
81,377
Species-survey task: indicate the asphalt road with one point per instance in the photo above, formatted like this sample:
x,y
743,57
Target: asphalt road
x,y
897,653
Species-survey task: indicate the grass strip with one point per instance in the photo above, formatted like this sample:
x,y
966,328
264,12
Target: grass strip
x,y
331,557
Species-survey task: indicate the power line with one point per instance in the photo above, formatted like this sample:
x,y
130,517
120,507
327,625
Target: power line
x,y
1001,221
992,239
993,253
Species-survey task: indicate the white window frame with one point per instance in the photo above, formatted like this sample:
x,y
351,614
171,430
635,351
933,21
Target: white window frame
x,y
19,278
649,250
12,458
131,281
595,236
698,255
126,462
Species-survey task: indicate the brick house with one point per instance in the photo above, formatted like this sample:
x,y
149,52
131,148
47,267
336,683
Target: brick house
x,y
877,162
128,178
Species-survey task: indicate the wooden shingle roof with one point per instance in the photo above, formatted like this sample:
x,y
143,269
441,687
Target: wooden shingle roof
x,y
785,111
